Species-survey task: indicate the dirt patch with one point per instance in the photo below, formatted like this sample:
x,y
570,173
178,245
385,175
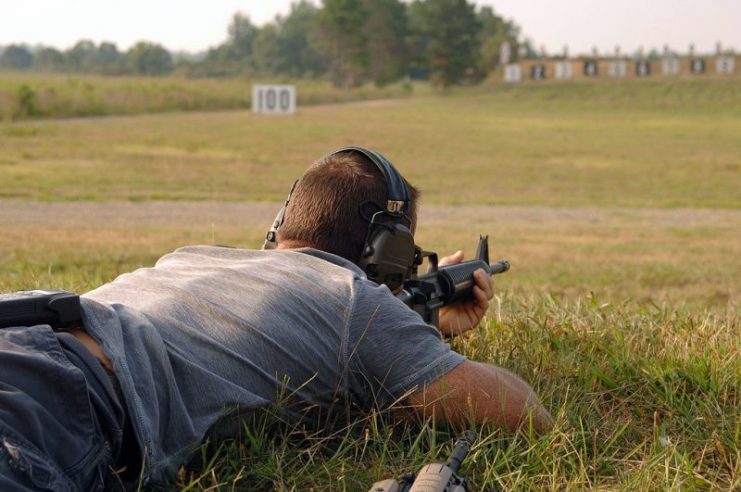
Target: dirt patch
x,y
247,214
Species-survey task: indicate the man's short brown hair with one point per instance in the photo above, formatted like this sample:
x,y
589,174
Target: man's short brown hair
x,y
332,203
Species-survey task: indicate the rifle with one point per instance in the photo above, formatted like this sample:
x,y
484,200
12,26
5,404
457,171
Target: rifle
x,y
435,477
426,293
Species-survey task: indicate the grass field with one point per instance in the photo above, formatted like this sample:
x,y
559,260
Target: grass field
x,y
617,204
29,95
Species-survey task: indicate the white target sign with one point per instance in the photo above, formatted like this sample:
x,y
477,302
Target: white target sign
x,y
563,70
512,73
725,65
670,66
274,99
618,68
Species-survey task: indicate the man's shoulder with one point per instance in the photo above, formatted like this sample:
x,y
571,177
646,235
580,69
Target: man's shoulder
x,y
208,254
191,264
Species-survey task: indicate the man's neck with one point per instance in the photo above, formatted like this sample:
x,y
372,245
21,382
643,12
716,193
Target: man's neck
x,y
292,245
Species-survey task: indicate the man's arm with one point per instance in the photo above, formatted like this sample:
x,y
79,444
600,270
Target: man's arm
x,y
483,393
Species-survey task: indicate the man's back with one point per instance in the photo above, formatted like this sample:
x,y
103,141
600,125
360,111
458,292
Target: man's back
x,y
214,331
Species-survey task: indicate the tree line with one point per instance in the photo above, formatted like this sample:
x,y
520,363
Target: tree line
x,y
349,42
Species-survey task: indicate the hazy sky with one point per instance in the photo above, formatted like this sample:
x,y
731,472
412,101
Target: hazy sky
x,y
196,25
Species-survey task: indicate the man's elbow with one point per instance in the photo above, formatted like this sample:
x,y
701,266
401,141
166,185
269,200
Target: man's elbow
x,y
483,395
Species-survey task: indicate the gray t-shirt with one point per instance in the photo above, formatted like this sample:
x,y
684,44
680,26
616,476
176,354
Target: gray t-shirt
x,y
211,332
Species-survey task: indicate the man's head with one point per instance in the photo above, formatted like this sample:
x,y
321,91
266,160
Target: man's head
x,y
333,203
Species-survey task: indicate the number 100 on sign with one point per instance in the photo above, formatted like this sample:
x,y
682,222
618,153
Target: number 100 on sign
x,y
274,99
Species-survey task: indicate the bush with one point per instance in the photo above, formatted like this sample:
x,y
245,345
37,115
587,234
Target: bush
x,y
26,103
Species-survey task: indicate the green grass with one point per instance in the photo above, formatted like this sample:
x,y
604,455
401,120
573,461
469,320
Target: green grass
x,y
65,96
617,204
646,399
503,146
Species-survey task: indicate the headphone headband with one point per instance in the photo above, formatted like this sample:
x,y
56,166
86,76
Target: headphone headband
x,y
398,195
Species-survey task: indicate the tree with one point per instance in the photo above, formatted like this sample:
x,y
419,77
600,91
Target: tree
x,y
107,58
81,57
297,39
234,56
417,42
149,59
242,35
288,45
49,59
17,57
215,64
344,41
386,28
495,30
452,29
266,54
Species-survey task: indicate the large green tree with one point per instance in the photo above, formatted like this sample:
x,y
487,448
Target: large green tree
x,y
386,29
146,58
50,59
234,56
452,33
266,54
417,42
242,33
108,59
288,45
81,56
344,41
17,57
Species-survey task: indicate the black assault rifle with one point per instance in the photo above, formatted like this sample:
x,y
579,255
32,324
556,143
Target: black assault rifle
x,y
428,292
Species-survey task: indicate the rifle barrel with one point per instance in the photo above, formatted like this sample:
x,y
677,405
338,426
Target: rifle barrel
x,y
499,267
461,451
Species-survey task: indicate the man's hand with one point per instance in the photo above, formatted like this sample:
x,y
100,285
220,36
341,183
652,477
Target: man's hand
x,y
466,314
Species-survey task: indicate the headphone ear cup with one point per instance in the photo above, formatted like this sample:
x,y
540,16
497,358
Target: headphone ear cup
x,y
389,254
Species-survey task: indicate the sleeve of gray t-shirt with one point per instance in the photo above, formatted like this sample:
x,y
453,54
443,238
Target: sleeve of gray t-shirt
x,y
392,352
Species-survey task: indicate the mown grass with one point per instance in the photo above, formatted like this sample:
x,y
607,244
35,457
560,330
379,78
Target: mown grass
x,y
634,348
646,398
678,257
617,205
464,148
40,95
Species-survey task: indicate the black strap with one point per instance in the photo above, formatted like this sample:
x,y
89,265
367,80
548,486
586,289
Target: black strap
x,y
397,188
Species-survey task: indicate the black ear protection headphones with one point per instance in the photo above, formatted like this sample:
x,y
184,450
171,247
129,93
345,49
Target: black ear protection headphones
x,y
389,255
